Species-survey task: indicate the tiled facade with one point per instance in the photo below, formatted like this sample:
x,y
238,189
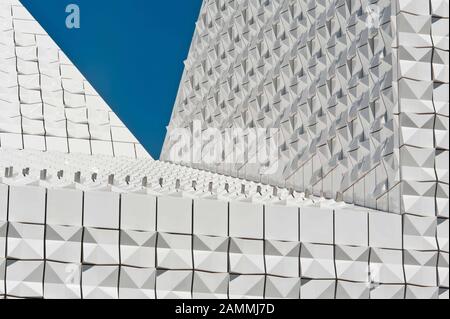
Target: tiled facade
x,y
358,209
45,102
320,72
357,90
164,260
116,238
421,108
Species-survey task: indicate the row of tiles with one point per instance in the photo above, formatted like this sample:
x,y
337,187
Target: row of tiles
x,y
54,280
174,214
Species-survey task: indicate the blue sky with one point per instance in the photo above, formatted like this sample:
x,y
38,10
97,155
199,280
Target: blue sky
x,y
131,51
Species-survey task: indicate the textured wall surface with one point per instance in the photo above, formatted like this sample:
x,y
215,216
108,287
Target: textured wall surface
x,y
358,91
45,102
318,71
422,106
115,238
361,109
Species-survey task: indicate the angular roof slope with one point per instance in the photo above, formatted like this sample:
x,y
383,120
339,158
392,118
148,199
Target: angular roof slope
x,y
45,102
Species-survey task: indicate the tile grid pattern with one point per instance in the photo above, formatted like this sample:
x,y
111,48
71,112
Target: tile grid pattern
x,y
45,102
318,71
103,237
421,56
421,83
168,247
